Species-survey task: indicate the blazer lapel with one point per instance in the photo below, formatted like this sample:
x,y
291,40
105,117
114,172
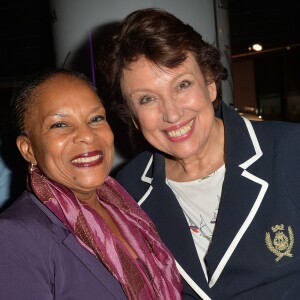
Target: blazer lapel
x,y
242,150
90,261
242,193
95,266
170,222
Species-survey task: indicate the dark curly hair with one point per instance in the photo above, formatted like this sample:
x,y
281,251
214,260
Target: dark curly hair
x,y
161,38
24,97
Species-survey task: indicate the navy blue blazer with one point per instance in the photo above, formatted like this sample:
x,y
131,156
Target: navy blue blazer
x,y
41,260
255,249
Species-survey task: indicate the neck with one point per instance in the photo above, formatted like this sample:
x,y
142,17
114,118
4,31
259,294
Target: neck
x,y
89,198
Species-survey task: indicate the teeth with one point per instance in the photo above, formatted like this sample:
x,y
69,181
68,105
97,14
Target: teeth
x,y
86,159
181,131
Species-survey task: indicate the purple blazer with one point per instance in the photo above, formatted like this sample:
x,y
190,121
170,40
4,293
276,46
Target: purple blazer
x,y
40,259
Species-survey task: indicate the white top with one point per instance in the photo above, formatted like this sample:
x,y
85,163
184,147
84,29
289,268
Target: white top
x,y
199,200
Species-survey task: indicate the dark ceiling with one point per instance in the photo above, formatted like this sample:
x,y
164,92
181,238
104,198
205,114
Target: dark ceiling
x,y
25,37
273,23
26,44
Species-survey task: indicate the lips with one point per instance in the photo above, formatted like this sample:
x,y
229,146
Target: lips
x,y
88,159
180,131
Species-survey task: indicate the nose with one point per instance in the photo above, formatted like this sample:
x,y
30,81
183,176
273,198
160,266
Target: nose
x,y
172,111
84,134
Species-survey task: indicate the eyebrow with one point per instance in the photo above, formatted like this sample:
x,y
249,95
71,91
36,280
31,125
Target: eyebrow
x,y
140,91
60,114
177,76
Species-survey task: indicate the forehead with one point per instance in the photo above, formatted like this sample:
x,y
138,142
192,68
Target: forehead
x,y
62,91
142,64
60,81
61,86
145,72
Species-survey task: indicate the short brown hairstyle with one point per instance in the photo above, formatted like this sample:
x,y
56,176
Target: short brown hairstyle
x,y
161,38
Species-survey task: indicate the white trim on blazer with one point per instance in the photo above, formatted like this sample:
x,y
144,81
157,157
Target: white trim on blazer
x,y
244,227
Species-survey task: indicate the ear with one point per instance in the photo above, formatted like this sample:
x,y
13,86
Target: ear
x,y
25,147
212,91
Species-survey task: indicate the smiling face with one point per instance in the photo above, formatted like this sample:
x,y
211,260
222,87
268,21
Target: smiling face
x,y
172,107
67,135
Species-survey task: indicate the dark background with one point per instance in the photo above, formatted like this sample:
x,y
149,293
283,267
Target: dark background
x,y
26,48
271,23
26,44
271,76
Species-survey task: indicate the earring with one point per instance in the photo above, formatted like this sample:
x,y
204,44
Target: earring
x,y
31,168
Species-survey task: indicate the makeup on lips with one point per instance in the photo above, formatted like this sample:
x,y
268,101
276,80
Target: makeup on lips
x,y
180,132
88,159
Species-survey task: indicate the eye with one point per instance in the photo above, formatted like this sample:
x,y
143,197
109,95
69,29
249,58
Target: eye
x,y
184,84
146,99
97,119
58,125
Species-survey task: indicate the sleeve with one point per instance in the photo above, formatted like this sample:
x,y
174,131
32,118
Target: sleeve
x,y
23,272
290,163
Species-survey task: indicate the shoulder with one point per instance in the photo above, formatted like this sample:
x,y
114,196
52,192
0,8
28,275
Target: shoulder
x,y
29,236
278,131
280,144
276,126
25,210
283,135
29,250
25,223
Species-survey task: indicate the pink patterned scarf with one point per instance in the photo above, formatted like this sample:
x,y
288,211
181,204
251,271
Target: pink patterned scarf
x,y
153,275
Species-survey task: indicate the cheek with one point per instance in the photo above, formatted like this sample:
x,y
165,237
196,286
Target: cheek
x,y
56,145
106,140
110,143
107,136
201,104
110,151
147,120
50,150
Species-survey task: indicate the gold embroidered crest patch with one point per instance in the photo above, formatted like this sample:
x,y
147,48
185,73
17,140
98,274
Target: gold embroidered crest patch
x,y
281,245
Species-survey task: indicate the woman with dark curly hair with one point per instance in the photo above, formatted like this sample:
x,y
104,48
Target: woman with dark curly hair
x,y
216,185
